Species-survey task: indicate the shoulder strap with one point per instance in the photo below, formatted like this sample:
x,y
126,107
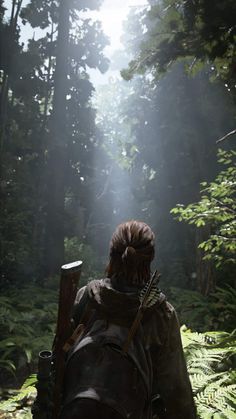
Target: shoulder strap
x,y
81,316
148,297
79,308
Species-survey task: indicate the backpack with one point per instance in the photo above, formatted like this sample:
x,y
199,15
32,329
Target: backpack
x,y
98,369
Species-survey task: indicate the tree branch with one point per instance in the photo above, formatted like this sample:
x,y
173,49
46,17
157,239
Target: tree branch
x,y
226,136
223,206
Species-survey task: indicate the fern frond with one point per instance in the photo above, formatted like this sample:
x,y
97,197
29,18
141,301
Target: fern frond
x,y
217,399
200,381
213,383
27,391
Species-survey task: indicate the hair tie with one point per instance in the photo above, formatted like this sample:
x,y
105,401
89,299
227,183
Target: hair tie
x,y
129,252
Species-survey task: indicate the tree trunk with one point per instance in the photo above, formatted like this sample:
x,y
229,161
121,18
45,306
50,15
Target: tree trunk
x,y
205,274
48,85
15,11
57,150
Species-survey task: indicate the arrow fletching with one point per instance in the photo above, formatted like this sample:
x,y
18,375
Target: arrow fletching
x,y
150,294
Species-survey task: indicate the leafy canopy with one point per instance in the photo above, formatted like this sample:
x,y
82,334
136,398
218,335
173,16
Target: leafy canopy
x,y
217,209
198,30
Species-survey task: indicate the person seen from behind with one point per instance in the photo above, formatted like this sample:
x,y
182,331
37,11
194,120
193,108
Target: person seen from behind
x,y
147,380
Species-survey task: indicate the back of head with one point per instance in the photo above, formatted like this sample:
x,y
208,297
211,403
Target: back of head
x,y
131,252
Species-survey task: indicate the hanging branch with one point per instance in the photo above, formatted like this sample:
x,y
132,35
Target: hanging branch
x,y
226,136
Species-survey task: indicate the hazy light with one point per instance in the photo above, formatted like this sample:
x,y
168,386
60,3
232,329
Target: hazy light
x,y
112,15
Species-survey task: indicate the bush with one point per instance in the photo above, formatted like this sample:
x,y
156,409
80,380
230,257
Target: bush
x,y
27,325
217,210
214,312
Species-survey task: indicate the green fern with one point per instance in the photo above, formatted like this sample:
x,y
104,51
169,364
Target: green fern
x,y
210,361
26,394
214,312
26,326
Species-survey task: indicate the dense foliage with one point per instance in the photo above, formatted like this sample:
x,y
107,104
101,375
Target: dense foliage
x,y
28,317
216,311
27,325
193,31
43,175
145,146
75,162
217,209
180,35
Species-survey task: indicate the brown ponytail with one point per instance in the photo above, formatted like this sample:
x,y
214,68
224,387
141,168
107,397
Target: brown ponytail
x,y
131,252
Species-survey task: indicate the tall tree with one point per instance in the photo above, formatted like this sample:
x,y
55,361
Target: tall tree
x,y
34,139
201,34
57,147
9,35
167,130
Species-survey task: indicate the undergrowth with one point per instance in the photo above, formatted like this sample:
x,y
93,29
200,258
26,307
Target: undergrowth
x,y
27,325
19,405
214,312
211,362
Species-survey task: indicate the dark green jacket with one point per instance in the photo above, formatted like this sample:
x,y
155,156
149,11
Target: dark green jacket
x,y
119,303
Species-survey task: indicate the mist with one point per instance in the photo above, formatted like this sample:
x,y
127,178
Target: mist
x,y
112,111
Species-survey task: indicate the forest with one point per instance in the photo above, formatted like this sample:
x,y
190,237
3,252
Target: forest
x,y
155,142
